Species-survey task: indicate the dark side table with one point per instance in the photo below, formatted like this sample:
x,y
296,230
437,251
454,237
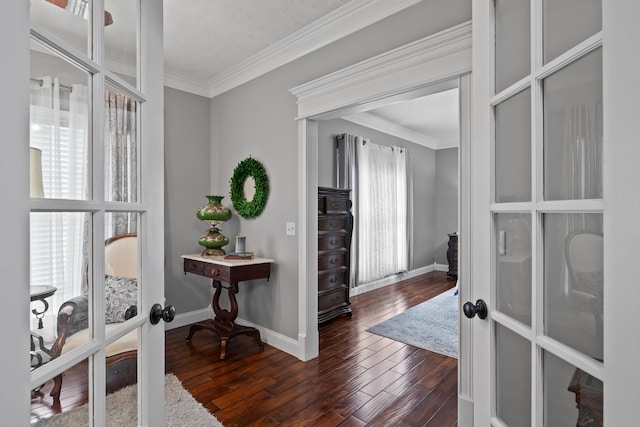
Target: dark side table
x,y
40,293
231,271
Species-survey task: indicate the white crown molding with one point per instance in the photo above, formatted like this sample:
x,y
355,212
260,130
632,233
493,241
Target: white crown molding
x,y
448,144
434,58
374,122
178,81
339,23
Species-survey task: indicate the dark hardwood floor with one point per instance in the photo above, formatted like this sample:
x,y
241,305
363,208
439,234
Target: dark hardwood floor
x,y
359,379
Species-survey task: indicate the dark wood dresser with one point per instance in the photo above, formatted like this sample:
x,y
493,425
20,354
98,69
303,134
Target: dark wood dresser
x,y
335,225
452,255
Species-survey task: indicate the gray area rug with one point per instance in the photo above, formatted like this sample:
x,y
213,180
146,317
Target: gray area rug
x,y
432,325
181,409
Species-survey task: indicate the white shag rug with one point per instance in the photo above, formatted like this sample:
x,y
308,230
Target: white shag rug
x,y
181,409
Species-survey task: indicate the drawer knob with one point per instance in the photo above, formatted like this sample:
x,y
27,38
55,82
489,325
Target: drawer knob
x,y
333,280
333,261
193,267
333,242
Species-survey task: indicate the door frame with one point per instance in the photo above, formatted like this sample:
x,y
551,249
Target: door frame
x,y
400,74
14,168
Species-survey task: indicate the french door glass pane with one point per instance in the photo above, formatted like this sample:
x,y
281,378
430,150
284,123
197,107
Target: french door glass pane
x,y
513,377
121,360
121,35
573,280
121,147
513,46
66,19
567,23
513,269
121,267
59,96
74,392
60,250
573,130
564,386
513,148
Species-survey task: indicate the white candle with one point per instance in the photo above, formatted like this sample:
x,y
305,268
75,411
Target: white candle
x,y
240,243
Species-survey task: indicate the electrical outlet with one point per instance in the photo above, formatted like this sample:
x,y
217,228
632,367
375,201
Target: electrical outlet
x,y
291,229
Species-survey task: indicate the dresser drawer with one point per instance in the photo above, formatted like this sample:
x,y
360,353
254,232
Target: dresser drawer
x,y
333,299
331,261
195,267
337,205
334,223
217,272
213,271
331,241
332,280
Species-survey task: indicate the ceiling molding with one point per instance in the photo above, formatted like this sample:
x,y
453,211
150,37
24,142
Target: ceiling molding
x,y
179,81
435,58
340,23
371,121
448,144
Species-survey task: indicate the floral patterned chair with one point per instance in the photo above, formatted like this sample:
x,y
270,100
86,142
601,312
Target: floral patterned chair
x,y
121,265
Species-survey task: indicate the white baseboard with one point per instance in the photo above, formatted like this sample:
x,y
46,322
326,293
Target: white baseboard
x,y
274,339
282,342
441,267
184,319
393,279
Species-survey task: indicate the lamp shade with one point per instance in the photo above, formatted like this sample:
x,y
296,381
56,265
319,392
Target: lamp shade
x,y
35,169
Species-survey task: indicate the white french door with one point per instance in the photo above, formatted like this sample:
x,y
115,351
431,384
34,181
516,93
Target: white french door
x,y
554,164
68,59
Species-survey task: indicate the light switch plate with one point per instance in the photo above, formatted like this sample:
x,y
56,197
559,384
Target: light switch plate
x,y
291,229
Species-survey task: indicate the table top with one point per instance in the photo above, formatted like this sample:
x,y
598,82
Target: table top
x,y
227,262
42,291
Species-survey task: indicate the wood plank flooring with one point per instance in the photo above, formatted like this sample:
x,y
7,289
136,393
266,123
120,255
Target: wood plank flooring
x,y
359,379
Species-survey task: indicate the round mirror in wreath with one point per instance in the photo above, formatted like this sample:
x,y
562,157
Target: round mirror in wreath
x,y
249,202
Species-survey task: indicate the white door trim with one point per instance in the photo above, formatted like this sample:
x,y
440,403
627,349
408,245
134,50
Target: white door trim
x,y
14,169
398,74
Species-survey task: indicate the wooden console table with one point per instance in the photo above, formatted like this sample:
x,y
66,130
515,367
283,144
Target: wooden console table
x,y
230,271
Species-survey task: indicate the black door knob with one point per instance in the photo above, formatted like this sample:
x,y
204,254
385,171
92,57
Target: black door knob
x,y
157,313
479,308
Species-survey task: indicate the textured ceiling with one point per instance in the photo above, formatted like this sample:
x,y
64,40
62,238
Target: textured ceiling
x,y
204,38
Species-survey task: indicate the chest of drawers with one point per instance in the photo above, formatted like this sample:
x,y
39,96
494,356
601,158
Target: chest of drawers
x,y
335,226
452,255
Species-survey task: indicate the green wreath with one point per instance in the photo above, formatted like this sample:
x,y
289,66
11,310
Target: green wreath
x,y
249,168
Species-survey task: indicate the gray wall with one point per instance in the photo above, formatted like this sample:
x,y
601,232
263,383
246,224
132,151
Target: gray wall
x,y
257,119
446,200
187,171
423,168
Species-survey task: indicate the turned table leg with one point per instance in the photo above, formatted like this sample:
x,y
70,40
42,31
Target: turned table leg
x,y
223,324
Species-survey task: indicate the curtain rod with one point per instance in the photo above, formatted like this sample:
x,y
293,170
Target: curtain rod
x,y
41,82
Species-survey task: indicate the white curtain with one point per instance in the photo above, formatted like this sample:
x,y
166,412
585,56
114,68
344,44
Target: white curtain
x,y
59,121
121,160
582,152
382,211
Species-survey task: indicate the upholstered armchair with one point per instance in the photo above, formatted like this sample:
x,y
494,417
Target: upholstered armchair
x,y
121,264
